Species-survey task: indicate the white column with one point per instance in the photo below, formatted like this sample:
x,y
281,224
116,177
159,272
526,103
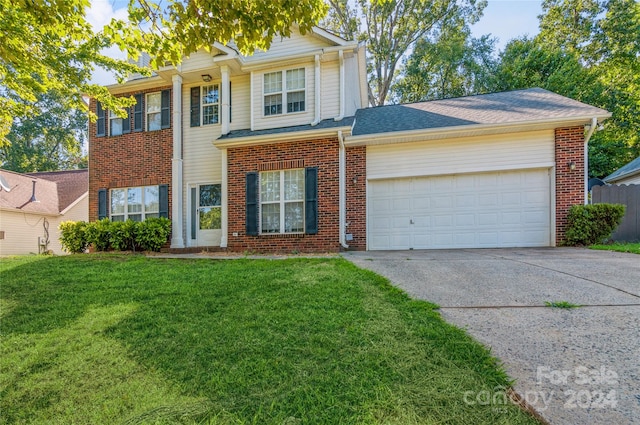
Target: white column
x,y
177,241
223,201
224,99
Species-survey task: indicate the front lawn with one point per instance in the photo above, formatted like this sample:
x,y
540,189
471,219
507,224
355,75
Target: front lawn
x,y
633,248
104,339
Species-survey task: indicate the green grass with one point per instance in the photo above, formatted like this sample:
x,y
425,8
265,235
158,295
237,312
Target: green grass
x,y
633,248
561,304
125,339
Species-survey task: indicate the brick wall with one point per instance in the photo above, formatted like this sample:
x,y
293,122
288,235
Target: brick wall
x,y
356,182
134,159
321,153
569,147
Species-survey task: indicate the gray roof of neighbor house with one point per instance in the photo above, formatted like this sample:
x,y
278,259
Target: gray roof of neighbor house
x,y
626,170
324,124
53,191
520,106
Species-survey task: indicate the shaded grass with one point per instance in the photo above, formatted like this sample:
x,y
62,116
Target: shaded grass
x,y
127,339
633,248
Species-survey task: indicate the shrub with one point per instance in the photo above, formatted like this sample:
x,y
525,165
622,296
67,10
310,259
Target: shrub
x,y
122,235
153,233
99,233
73,236
591,224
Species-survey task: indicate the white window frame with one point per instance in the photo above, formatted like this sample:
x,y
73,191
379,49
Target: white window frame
x,y
282,202
114,117
144,214
284,91
203,105
147,113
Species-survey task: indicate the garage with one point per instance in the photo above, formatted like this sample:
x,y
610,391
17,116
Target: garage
x,y
475,210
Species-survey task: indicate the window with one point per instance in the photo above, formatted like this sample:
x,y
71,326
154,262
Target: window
x,y
292,94
154,108
117,125
135,203
210,104
282,201
209,201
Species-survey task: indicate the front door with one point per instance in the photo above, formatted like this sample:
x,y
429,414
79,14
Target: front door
x,y
207,217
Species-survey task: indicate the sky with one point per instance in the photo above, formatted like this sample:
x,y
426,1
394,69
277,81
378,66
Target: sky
x,y
504,19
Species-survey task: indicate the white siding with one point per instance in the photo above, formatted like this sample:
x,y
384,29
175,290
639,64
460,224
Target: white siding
x,y
351,85
629,180
290,46
330,89
21,230
464,155
240,102
261,122
197,60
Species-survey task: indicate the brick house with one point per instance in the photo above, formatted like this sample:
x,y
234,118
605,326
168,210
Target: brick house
x,y
278,152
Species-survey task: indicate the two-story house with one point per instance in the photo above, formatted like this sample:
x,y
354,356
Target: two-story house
x,y
278,152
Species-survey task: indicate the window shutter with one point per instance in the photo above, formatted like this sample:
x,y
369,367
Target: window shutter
x,y
102,204
311,200
252,204
126,122
165,109
138,109
100,124
195,106
194,212
163,200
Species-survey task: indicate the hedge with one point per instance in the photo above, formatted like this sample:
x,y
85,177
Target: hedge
x,y
592,224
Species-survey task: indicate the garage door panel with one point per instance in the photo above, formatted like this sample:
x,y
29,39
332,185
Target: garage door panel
x,y
501,209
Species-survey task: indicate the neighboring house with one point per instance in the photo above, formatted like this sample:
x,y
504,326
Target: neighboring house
x,y
278,152
627,174
33,205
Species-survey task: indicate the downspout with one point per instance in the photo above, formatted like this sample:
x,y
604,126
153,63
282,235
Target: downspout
x,y
341,58
342,189
592,129
317,91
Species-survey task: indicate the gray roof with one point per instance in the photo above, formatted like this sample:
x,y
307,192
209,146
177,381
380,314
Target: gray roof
x,y
627,170
496,108
324,124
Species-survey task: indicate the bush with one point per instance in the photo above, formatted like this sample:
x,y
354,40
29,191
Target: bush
x,y
99,233
122,235
153,233
72,236
591,224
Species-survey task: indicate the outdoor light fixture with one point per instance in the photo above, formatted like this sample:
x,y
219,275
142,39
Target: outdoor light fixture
x,y
206,78
572,165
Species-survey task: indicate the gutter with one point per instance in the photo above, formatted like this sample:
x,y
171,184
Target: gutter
x,y
279,137
342,189
316,119
592,129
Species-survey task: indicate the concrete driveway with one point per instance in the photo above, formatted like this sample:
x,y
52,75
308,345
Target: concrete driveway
x,y
574,366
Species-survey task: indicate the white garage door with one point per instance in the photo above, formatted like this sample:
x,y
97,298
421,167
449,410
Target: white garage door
x,y
487,210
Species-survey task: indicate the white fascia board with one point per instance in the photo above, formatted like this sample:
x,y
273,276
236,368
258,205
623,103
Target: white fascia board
x,y
272,61
466,130
279,137
330,37
139,84
40,213
74,203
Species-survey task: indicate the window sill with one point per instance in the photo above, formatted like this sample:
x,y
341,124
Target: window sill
x,y
285,114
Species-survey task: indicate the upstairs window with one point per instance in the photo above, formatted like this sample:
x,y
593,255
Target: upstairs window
x,y
117,125
158,110
292,93
210,104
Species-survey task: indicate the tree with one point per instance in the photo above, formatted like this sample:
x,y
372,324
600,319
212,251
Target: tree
x,y
391,28
51,45
454,64
49,141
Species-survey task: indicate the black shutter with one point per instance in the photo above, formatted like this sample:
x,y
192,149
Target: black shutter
x,y
194,212
163,200
100,124
311,200
102,204
165,109
252,204
138,109
126,122
195,106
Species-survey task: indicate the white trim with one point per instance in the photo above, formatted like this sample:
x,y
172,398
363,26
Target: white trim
x,y
251,99
330,37
552,192
488,169
341,96
342,192
317,118
270,61
224,100
265,139
463,131
74,203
